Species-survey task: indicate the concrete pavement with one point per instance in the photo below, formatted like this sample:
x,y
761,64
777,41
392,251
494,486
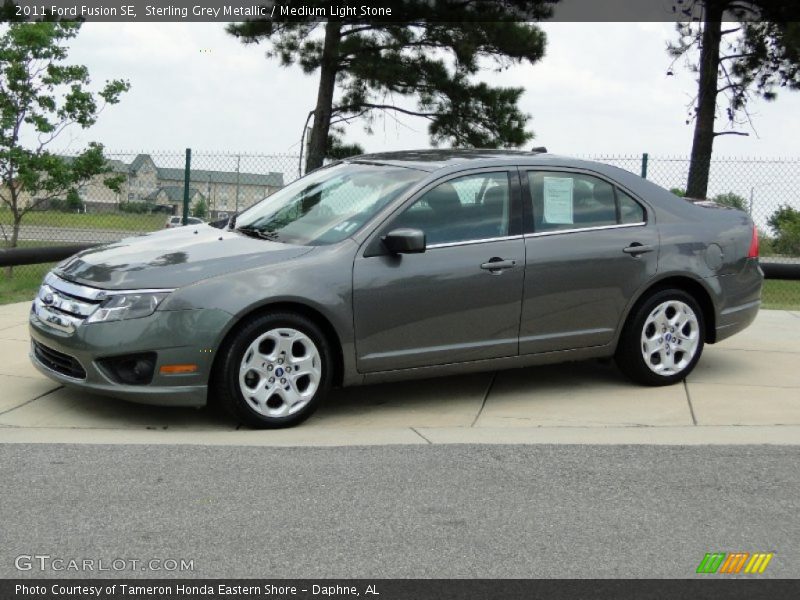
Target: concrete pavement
x,y
745,390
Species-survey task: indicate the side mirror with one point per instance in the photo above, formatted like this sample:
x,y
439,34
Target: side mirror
x,y
404,241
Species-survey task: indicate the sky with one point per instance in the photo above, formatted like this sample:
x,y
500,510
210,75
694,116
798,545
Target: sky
x,y
601,89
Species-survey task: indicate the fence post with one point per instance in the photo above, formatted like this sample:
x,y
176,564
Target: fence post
x,y
238,174
645,156
187,174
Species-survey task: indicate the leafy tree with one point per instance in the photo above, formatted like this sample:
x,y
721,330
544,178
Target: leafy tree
x,y
765,244
752,58
40,96
73,201
200,209
785,222
372,64
732,200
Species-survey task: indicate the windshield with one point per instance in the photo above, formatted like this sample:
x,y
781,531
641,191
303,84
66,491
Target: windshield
x,y
328,205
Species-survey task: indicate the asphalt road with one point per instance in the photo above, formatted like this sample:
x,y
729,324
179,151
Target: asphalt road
x,y
401,511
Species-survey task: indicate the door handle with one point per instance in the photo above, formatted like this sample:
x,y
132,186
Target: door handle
x,y
496,265
636,248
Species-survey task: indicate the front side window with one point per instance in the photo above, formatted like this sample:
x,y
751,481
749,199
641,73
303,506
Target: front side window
x,y
327,205
468,208
564,201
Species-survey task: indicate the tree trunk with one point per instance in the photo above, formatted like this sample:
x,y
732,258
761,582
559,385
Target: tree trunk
x,y
703,142
327,83
15,231
16,223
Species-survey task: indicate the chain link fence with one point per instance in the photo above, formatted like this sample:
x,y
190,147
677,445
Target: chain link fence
x,y
767,188
152,190
757,185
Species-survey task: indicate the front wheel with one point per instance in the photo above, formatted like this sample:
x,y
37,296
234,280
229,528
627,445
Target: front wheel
x,y
663,339
274,372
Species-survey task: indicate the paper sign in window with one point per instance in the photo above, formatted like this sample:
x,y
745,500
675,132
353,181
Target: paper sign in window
x,y
558,199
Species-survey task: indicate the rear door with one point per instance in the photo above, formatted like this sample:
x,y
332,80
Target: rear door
x,y
589,247
458,301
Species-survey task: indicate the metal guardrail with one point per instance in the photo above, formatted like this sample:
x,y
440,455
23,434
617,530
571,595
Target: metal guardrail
x,y
15,257
780,270
31,256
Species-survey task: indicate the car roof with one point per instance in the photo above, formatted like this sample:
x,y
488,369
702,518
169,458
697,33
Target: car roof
x,y
443,162
454,159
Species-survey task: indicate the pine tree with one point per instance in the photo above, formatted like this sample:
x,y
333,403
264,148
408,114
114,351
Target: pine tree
x,y
364,67
754,57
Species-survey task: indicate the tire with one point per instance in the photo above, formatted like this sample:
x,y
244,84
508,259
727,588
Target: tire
x,y
290,371
663,339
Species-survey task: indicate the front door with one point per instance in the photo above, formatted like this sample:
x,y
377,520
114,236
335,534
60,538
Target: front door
x,y
458,301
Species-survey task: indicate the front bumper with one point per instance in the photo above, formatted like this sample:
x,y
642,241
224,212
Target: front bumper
x,y
177,337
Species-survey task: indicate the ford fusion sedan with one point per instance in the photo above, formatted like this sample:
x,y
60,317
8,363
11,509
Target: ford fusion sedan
x,y
402,265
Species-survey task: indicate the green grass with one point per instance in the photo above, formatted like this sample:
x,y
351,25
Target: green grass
x,y
24,283
781,294
25,280
120,221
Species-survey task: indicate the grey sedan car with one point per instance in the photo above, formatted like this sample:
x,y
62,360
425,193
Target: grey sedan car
x,y
402,265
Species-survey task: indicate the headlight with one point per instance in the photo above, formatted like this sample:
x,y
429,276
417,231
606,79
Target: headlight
x,y
127,306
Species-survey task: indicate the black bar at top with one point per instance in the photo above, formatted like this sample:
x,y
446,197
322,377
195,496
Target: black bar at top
x,y
401,11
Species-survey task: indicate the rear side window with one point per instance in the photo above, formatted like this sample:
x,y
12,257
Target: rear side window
x,y
564,201
630,211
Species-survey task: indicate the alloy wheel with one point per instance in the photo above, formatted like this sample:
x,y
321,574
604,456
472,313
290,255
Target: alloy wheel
x,y
280,372
670,338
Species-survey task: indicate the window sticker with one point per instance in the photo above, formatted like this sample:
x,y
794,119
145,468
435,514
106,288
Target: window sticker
x,y
558,200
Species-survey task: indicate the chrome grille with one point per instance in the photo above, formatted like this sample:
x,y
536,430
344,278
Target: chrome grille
x,y
65,305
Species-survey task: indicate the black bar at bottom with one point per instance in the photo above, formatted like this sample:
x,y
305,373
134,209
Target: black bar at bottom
x,y
708,586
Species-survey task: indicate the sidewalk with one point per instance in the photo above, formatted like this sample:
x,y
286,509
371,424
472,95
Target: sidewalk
x,y
745,390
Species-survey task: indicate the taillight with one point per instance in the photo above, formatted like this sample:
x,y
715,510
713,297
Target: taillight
x,y
753,252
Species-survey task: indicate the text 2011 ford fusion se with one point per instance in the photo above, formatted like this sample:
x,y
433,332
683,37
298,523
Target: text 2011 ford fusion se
x,y
402,265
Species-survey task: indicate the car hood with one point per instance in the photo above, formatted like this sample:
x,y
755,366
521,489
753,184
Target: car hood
x,y
173,258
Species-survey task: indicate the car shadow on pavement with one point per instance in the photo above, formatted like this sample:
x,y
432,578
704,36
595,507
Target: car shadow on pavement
x,y
585,392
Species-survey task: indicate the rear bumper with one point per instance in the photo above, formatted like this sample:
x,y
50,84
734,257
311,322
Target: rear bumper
x,y
740,299
733,320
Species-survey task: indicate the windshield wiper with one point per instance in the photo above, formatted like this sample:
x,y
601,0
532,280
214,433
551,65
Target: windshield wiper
x,y
258,233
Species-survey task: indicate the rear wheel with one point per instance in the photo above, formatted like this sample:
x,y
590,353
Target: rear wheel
x,y
275,371
663,339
